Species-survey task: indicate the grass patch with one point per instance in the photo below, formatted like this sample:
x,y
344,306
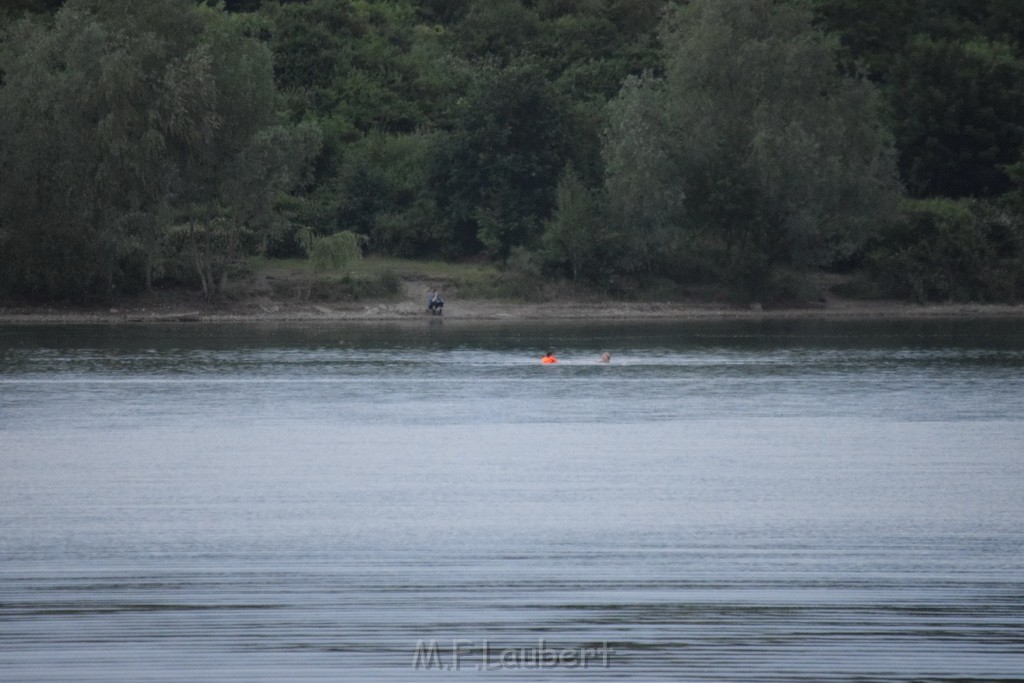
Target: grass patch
x,y
344,288
371,266
407,269
377,277
382,277
297,279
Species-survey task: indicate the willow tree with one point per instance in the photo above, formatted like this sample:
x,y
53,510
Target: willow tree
x,y
231,186
495,175
88,112
752,140
118,116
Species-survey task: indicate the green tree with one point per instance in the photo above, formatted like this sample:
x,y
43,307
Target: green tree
x,y
959,115
872,33
951,73
114,119
495,174
232,184
90,111
443,12
14,8
577,237
363,65
946,249
384,180
499,29
644,176
334,252
753,140
365,72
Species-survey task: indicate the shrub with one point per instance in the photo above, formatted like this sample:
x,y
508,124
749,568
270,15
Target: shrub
x,y
334,252
960,250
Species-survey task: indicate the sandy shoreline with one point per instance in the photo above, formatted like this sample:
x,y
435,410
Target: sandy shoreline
x,y
481,311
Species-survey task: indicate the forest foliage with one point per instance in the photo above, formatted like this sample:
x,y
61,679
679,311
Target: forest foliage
x,y
618,143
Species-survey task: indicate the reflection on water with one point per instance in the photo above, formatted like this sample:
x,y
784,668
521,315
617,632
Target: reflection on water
x,y
722,502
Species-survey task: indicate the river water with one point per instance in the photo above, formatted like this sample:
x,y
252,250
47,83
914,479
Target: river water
x,y
723,501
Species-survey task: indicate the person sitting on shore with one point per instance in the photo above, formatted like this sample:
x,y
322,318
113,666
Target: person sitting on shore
x,y
435,304
549,358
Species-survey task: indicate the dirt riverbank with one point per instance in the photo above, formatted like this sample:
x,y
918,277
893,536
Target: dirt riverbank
x,y
407,309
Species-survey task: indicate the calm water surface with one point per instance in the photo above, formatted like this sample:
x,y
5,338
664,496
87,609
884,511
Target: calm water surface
x,y
724,501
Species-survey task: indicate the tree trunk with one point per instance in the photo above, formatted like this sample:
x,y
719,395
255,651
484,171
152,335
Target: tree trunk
x,y
222,283
197,260
229,257
211,282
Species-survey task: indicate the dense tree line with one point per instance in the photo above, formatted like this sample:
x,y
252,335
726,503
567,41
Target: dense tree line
x,y
616,142
138,140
